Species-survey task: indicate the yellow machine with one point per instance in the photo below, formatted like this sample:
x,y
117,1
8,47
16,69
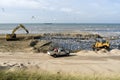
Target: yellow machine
x,y
13,35
104,44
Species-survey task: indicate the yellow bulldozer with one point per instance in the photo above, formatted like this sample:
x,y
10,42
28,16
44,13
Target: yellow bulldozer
x,y
12,36
101,44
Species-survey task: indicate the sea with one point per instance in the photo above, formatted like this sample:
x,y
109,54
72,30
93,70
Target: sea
x,y
95,28
105,30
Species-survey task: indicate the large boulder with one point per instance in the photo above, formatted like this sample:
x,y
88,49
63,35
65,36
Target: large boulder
x,y
41,46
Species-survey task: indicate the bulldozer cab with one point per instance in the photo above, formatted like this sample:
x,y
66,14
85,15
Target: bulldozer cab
x,y
104,41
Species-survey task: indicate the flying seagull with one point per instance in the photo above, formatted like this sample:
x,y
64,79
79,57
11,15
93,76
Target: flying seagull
x,y
3,10
33,17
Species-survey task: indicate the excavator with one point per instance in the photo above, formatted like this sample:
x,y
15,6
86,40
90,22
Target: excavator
x,y
10,37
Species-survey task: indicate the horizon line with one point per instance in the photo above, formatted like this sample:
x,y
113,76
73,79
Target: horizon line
x,y
58,23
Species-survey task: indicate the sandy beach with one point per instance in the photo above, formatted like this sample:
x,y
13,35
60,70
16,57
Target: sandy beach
x,y
19,55
59,39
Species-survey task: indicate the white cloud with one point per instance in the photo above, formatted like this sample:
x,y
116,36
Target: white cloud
x,y
54,10
23,3
66,9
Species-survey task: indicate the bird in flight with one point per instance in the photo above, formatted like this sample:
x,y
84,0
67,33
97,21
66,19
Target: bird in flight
x,y
3,10
33,17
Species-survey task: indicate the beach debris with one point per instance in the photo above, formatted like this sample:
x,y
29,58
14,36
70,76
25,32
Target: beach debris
x,y
40,46
16,66
33,43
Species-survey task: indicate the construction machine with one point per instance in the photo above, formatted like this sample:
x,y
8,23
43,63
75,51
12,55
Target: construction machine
x,y
13,35
101,44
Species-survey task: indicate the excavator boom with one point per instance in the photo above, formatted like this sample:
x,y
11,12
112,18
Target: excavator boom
x,y
19,26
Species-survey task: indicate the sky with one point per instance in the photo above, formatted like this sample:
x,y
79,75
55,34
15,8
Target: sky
x,y
59,11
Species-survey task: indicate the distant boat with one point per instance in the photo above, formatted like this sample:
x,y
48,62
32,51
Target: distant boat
x,y
47,23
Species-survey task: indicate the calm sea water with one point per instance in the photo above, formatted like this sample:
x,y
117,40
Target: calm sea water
x,y
103,29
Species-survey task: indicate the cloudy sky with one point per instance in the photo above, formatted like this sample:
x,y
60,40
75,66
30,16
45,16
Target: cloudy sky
x,y
60,11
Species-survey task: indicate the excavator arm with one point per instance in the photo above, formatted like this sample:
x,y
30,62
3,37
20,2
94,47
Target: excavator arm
x,y
13,35
20,26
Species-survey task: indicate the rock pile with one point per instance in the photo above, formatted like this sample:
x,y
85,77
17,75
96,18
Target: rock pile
x,y
40,46
72,42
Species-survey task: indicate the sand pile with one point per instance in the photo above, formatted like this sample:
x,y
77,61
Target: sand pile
x,y
115,51
100,52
